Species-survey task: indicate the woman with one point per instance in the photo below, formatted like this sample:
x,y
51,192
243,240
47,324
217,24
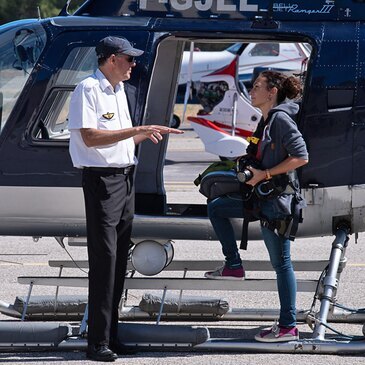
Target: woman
x,y
279,149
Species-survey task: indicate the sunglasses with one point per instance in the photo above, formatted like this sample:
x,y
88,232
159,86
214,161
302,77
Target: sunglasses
x,y
130,59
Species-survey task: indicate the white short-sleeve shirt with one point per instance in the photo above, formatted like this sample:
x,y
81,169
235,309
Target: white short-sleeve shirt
x,y
94,104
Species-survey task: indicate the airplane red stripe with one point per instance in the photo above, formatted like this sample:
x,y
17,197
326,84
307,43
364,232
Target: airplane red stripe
x,y
220,127
231,69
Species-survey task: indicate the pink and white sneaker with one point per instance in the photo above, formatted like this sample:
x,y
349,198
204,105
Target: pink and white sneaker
x,y
225,273
278,334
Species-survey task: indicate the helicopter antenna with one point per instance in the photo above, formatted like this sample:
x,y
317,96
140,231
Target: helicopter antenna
x,y
64,11
39,13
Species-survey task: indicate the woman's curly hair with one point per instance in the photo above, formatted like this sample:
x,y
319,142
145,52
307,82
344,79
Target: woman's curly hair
x,y
288,86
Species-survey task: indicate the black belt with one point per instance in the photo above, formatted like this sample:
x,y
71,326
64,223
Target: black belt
x,y
112,170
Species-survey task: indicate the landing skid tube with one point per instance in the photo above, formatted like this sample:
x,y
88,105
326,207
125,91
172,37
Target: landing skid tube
x,y
26,336
300,347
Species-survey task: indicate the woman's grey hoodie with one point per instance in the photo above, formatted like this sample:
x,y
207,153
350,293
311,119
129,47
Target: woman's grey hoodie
x,y
281,137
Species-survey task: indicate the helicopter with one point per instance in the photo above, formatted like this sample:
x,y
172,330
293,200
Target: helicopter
x,y
38,79
44,59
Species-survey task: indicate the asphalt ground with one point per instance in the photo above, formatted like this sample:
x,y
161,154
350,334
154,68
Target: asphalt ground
x,y
21,256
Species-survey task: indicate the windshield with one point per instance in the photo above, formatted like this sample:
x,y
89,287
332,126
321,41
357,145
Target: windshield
x,y
234,48
21,44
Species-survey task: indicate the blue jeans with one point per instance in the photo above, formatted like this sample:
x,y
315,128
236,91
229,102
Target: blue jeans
x,y
225,207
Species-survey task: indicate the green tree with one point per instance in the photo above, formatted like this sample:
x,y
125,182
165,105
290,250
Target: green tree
x,y
23,9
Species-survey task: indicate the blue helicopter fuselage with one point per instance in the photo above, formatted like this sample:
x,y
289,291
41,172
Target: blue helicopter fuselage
x,y
43,60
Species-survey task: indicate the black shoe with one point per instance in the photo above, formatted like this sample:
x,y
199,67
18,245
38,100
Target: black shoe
x,y
121,349
100,353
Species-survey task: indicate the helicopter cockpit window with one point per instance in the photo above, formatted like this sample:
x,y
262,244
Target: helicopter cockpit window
x,y
80,63
20,48
53,122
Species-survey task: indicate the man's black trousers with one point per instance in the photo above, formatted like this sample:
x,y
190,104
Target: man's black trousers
x,y
109,205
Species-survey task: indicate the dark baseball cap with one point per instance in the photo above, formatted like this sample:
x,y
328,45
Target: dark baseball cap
x,y
113,45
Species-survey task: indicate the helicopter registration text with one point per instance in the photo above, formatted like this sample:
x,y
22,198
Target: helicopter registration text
x,y
203,5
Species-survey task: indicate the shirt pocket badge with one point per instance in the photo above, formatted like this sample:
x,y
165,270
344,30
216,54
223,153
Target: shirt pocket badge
x,y
108,116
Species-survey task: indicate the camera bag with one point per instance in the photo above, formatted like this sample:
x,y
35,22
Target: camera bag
x,y
218,183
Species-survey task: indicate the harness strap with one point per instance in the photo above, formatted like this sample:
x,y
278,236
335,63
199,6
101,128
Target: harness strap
x,y
248,213
299,204
244,235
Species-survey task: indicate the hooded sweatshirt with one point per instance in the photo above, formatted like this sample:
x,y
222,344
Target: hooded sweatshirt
x,y
281,137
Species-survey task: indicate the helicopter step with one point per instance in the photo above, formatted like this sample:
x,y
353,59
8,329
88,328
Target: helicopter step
x,y
206,265
56,307
170,283
182,306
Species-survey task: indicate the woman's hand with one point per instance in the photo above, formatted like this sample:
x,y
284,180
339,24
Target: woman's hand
x,y
289,164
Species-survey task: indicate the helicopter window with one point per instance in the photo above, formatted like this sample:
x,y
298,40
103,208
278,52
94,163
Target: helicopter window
x,y
53,123
265,49
20,49
337,99
80,63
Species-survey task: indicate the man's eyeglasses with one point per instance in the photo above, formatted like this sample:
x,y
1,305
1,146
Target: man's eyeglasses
x,y
130,59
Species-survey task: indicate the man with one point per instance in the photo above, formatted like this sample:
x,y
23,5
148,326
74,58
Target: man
x,y
102,143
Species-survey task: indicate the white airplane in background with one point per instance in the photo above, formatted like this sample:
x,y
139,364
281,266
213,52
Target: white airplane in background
x,y
281,56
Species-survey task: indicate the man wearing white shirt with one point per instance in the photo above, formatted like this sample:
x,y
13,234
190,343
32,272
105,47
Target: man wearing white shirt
x,y
102,143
